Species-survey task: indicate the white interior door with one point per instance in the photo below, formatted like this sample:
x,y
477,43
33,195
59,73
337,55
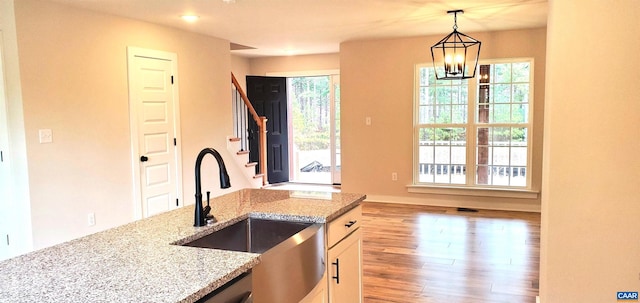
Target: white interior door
x,y
153,109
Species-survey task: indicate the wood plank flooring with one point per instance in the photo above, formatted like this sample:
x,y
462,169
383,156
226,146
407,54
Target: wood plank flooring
x,y
440,255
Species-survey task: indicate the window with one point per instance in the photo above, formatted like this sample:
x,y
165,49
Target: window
x,y
475,132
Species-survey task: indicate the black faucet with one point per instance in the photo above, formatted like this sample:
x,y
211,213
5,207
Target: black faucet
x,y
200,214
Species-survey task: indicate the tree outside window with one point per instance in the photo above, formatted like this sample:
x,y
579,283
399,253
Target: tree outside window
x,y
487,131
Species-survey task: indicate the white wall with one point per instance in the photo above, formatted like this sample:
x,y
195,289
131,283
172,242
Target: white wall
x,y
591,181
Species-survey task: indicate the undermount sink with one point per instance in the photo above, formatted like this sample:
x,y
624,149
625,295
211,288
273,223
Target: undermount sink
x,y
292,255
250,235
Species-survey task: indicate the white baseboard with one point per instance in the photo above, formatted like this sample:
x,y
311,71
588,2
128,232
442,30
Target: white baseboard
x,y
537,299
514,205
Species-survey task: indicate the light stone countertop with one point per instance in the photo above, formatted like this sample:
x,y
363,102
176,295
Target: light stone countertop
x,y
137,262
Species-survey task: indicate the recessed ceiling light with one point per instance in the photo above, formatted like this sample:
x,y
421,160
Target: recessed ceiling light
x,y
229,1
190,18
290,52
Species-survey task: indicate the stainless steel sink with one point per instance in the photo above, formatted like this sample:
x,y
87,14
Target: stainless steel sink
x,y
250,235
292,255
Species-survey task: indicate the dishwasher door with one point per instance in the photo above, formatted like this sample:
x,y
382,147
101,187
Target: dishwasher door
x,y
237,290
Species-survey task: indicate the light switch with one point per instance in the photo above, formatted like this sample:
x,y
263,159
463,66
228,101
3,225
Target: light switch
x,y
367,121
45,135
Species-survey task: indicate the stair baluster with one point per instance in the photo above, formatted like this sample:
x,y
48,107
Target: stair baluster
x,y
242,108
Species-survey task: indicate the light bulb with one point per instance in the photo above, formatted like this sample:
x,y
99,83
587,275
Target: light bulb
x,y
448,59
190,18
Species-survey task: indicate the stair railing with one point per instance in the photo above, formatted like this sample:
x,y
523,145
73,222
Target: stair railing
x,y
242,108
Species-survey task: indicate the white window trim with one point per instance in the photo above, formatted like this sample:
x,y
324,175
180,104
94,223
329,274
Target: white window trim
x,y
470,189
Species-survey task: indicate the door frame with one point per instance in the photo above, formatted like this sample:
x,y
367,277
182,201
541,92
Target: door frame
x,y
336,175
15,152
332,127
6,219
132,53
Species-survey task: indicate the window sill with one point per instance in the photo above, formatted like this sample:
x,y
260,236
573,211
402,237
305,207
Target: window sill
x,y
474,191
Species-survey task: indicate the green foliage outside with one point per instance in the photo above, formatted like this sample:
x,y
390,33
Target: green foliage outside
x,y
445,102
310,110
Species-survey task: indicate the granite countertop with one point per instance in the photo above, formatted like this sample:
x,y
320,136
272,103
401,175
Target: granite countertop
x,y
140,261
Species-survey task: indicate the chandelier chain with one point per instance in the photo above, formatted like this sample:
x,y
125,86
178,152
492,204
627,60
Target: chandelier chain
x,y
455,21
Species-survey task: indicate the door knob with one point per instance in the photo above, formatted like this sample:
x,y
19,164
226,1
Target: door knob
x,y
144,159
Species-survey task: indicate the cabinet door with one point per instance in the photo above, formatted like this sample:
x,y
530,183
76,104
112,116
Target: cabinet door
x,y
345,280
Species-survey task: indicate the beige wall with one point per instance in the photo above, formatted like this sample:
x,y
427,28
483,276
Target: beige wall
x,y
241,67
290,65
261,66
590,226
73,67
377,82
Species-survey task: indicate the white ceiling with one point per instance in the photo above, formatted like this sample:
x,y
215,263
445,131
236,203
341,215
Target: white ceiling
x,y
293,27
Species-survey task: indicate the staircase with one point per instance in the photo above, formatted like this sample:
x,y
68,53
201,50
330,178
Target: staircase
x,y
238,145
242,159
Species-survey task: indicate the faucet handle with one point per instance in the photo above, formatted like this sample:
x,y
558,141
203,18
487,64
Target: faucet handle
x,y
207,208
205,211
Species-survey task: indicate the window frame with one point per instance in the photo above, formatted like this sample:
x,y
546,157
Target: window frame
x,y
472,125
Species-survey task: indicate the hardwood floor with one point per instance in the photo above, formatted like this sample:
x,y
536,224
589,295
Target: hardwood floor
x,y
441,255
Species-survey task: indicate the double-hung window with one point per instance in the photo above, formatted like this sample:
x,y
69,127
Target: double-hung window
x,y
475,132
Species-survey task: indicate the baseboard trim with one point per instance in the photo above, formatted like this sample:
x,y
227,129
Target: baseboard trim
x,y
507,206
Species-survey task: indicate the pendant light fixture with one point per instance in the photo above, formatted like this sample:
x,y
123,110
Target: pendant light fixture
x,y
455,57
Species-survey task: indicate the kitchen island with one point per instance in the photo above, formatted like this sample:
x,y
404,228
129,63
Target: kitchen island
x,y
143,261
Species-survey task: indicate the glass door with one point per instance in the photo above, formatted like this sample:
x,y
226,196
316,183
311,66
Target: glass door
x,y
314,112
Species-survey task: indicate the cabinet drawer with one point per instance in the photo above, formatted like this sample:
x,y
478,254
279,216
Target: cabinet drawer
x,y
344,225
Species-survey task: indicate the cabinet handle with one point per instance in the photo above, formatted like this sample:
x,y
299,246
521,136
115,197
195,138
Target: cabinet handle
x,y
337,276
351,223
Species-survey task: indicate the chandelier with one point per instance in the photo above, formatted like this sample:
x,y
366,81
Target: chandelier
x,y
455,57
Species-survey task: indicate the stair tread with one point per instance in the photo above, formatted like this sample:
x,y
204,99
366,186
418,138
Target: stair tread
x,y
258,176
243,152
234,139
251,164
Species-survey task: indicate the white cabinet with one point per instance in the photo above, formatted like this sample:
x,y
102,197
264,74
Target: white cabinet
x,y
345,283
344,263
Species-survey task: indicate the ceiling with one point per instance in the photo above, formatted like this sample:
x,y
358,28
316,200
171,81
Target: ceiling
x,y
296,27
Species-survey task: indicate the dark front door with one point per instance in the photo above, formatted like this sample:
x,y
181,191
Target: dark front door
x,y
268,95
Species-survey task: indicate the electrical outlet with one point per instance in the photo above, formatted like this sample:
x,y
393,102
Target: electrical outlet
x,y
91,219
45,135
394,176
367,121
